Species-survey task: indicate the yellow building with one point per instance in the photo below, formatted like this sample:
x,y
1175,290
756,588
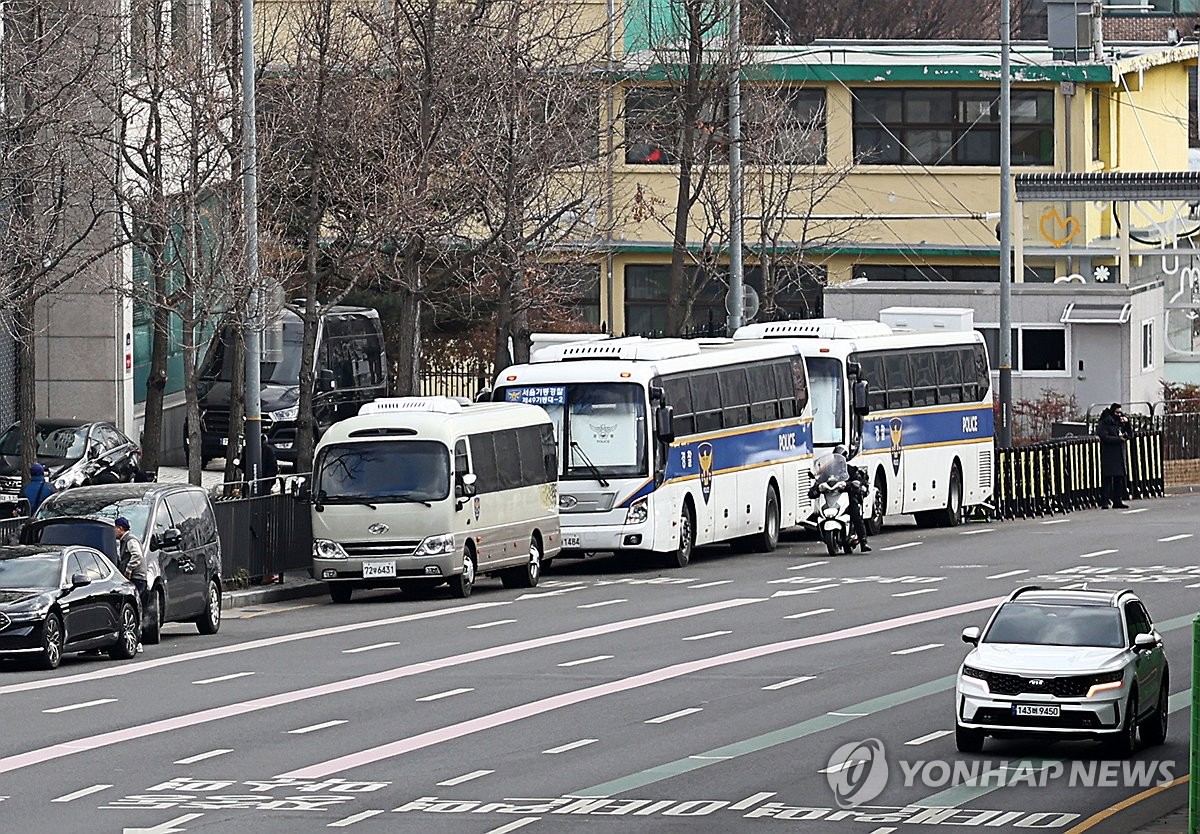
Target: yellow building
x,y
909,135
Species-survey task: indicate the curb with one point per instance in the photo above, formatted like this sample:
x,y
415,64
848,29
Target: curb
x,y
297,589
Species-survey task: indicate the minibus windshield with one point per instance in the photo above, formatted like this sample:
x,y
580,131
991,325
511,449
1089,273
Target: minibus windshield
x,y
382,471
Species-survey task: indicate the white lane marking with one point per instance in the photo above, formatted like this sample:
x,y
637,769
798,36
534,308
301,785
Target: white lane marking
x,y
556,593
787,683
370,648
1197,585
584,660
1138,510
493,623
1096,553
602,604
813,590
1057,521
353,818
707,635
917,592
902,546
117,669
81,793
199,757
750,801
848,714
916,649
710,584
809,565
574,745
312,728
804,614
977,532
83,705
663,719
1007,574
222,678
145,729
450,693
936,734
838,768
1180,537
466,777
513,826
501,718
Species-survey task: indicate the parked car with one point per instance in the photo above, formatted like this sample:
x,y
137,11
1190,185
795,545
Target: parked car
x,y
74,453
56,600
177,526
1059,664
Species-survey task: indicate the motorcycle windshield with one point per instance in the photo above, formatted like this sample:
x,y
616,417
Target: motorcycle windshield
x,y
832,467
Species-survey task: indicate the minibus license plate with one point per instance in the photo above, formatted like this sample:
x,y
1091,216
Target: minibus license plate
x,y
1036,710
374,570
570,540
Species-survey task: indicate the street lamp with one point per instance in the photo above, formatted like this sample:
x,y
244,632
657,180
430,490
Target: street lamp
x,y
1004,430
251,326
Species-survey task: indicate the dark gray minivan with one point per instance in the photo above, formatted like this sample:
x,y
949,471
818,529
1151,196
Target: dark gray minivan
x,y
176,524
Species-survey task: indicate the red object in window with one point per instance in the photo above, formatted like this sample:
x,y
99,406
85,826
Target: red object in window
x,y
655,155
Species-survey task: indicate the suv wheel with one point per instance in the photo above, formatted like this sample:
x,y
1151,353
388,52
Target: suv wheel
x,y
1154,729
1125,742
210,621
967,739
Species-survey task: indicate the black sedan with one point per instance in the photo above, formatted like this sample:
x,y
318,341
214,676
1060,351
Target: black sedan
x,y
74,453
55,600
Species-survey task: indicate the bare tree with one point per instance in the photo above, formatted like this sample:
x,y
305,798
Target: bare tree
x,y
57,214
807,20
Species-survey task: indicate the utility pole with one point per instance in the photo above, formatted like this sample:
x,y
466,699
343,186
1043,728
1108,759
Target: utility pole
x,y
733,304
252,324
1004,430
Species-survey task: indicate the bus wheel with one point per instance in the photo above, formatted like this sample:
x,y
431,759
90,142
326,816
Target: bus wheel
x,y
879,508
528,574
768,539
461,585
953,514
680,556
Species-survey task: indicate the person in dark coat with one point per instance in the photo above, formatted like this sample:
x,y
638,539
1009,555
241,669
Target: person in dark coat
x,y
1114,432
38,489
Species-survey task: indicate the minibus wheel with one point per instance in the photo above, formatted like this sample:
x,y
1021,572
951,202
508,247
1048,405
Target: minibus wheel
x,y
461,585
528,574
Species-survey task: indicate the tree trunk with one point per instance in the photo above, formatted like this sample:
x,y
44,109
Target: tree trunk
x,y
305,418
156,382
26,381
502,357
237,395
408,360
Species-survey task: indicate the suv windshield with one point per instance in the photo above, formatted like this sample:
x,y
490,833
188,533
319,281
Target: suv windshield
x,y
1057,625
388,470
600,426
53,443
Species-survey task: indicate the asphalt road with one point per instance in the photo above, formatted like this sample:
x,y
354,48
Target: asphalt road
x,y
614,697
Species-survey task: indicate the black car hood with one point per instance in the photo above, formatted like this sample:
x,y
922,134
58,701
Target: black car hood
x,y
9,597
11,465
273,396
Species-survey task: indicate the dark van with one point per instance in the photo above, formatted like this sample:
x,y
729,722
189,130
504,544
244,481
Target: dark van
x,y
351,369
176,525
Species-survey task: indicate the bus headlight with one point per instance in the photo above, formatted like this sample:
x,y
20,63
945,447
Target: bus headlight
x,y
327,549
639,511
435,545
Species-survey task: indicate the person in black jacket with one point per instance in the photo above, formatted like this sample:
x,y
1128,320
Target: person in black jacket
x,y
857,487
1114,432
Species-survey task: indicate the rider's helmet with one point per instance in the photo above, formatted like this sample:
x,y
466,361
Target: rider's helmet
x,y
840,450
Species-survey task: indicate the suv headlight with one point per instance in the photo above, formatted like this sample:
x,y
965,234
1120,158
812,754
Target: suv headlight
x,y
976,677
436,545
285,414
638,512
327,549
1106,682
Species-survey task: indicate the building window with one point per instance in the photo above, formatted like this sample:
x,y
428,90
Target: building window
x,y
1148,345
899,126
653,134
1097,102
784,126
1140,8
941,273
1036,349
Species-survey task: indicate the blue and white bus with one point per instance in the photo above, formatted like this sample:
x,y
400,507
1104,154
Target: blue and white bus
x,y
925,432
666,444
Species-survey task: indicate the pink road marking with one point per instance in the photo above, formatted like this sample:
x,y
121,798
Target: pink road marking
x,y
514,714
58,751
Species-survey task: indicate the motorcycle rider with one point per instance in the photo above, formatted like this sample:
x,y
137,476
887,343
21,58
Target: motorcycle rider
x,y
856,490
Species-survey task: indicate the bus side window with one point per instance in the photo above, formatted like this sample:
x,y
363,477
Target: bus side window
x,y
764,404
872,372
735,397
966,360
549,453
706,399
982,372
483,456
949,375
799,383
679,397
899,381
462,464
508,459
924,377
785,390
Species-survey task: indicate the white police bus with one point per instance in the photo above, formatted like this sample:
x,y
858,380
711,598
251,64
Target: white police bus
x,y
666,444
927,442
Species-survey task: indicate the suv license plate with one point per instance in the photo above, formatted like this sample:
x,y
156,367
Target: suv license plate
x,y
1036,710
373,570
570,540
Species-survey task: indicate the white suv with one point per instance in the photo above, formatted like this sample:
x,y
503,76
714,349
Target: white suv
x,y
1064,664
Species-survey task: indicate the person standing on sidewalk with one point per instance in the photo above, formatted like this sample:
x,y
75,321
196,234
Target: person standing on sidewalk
x,y
1113,431
131,561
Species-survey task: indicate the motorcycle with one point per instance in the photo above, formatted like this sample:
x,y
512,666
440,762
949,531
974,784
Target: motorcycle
x,y
832,485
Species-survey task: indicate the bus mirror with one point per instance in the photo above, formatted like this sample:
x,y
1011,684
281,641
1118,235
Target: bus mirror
x,y
664,424
862,405
466,484
854,369
657,394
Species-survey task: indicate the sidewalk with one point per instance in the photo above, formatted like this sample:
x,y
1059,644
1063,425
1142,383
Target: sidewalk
x,y
1175,822
296,585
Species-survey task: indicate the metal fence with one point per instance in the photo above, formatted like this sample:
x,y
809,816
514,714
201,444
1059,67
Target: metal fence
x,y
264,536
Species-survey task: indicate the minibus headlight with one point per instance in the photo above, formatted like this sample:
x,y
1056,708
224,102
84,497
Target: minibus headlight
x,y
435,545
326,549
638,512
284,414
